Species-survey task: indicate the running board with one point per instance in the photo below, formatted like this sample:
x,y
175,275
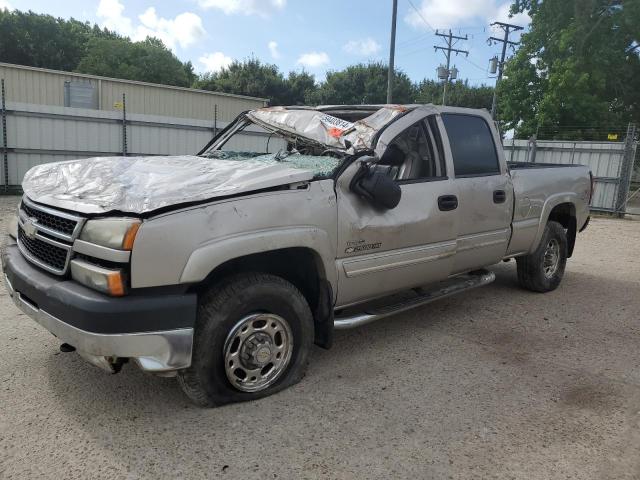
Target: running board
x,y
445,289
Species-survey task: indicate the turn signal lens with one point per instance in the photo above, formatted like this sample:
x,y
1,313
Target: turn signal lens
x,y
104,280
130,236
115,285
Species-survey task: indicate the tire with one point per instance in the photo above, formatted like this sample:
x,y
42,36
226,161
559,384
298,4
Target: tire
x,y
536,275
246,300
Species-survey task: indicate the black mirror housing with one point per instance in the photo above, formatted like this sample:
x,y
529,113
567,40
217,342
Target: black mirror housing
x,y
377,187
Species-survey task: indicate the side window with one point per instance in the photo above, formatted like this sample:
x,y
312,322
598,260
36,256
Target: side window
x,y
412,155
472,145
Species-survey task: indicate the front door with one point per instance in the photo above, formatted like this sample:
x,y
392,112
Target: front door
x,y
381,251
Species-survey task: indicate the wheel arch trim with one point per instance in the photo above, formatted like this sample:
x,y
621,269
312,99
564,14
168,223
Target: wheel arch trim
x,y
211,255
552,202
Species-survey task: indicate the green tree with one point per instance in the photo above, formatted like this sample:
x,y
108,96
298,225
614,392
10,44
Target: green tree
x,y
576,73
249,77
459,94
146,61
362,83
36,40
299,86
28,38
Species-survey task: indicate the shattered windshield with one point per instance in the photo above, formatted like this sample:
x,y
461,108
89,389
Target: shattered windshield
x,y
249,143
304,138
321,166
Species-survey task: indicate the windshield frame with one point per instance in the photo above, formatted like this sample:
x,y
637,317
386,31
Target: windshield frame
x,y
242,121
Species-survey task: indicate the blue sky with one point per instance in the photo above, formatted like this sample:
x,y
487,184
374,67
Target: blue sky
x,y
300,34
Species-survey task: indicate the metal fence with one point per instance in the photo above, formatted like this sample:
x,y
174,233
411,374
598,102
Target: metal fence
x,y
610,162
36,134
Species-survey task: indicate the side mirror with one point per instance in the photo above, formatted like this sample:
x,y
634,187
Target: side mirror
x,y
374,185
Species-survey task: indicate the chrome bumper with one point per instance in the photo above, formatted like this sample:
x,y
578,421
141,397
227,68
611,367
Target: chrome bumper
x,y
159,352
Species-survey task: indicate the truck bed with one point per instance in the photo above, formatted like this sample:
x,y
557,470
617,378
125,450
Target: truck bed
x,y
536,186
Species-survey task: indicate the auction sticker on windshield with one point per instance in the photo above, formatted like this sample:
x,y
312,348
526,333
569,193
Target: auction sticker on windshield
x,y
337,126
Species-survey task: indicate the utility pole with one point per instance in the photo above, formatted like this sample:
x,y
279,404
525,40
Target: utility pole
x,y
508,29
392,52
446,73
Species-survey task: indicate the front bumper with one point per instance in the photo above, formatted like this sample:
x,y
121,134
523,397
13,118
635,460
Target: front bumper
x,y
154,330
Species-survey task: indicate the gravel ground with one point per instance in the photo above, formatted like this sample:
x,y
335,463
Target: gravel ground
x,y
496,383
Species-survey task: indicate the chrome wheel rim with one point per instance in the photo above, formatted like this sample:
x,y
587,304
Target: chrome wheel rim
x,y
257,351
551,258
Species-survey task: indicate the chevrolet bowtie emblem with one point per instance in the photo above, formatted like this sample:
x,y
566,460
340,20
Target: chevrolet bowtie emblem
x,y
29,227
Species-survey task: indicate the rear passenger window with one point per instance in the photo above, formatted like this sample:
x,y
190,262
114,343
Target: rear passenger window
x,y
472,146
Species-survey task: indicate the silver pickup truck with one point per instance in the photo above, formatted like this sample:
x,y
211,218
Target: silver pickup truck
x,y
224,268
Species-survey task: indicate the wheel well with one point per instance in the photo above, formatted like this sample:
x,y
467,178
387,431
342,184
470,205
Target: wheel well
x,y
300,266
565,215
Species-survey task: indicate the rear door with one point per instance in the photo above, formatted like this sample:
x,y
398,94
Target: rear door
x,y
485,192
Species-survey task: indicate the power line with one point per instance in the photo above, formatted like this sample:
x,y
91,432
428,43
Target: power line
x,y
475,65
421,16
413,52
413,39
416,39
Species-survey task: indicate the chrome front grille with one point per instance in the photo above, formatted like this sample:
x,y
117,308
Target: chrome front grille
x,y
63,225
46,235
43,252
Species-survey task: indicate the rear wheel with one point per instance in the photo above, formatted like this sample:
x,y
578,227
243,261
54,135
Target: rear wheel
x,y
252,339
542,270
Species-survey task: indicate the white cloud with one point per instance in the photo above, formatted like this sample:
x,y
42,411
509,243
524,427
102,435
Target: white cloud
x,y
110,12
183,30
313,59
457,13
216,61
273,49
4,4
365,46
247,7
502,15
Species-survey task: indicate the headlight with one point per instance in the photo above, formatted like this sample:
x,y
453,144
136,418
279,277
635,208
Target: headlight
x,y
118,233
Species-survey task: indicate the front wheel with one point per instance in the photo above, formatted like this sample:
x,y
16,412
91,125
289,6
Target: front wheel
x,y
252,338
542,270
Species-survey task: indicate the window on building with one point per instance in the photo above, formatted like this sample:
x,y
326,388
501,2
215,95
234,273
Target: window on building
x,y
80,94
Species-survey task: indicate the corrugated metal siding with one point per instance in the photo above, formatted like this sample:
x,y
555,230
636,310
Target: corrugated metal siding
x,y
174,103
46,87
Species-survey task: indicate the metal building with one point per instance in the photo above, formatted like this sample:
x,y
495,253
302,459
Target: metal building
x,y
66,89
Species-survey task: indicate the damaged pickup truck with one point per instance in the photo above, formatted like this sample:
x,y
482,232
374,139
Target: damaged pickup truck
x,y
224,268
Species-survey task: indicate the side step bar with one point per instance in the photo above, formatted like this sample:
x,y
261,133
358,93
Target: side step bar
x,y
445,289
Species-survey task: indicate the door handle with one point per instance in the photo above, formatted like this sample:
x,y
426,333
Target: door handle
x,y
447,203
499,196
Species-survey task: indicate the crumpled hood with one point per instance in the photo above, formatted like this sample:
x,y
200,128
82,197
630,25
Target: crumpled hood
x,y
142,184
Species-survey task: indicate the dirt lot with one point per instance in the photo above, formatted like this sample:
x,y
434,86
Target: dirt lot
x,y
498,383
